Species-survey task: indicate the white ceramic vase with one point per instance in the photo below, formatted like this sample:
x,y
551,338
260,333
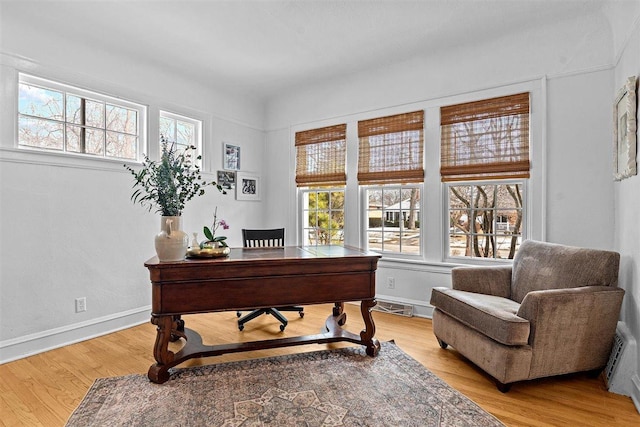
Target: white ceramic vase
x,y
171,242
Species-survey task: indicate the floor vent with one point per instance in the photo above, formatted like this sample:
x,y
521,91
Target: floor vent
x,y
614,358
394,308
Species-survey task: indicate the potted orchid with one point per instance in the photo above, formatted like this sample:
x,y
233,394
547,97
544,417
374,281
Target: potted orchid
x,y
210,233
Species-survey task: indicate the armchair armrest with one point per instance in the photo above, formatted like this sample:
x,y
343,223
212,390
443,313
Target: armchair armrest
x,y
572,329
494,280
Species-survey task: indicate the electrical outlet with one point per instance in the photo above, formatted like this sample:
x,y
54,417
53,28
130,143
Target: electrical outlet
x,y
391,282
81,304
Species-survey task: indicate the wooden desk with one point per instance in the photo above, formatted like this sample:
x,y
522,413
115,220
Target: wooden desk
x,y
255,278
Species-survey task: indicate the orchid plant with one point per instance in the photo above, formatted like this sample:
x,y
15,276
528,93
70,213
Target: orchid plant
x,y
210,233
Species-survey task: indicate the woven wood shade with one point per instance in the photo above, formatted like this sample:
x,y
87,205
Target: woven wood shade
x,y
486,139
391,149
321,155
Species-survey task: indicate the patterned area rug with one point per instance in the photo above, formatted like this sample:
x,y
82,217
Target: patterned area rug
x,y
342,387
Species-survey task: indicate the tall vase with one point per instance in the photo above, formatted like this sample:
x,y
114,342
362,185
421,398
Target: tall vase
x,y
171,242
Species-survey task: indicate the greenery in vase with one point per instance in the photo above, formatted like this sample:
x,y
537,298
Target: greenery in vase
x,y
166,185
210,233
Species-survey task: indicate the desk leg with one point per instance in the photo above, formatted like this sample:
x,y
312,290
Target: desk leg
x,y
338,312
367,334
168,326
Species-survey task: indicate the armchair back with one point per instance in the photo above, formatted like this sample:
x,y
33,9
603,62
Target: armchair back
x,y
541,265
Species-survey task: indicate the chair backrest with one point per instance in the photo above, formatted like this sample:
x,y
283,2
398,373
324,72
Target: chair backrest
x,y
263,238
540,265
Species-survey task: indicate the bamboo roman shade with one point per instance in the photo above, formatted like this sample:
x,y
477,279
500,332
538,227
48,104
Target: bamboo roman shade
x,y
486,139
391,149
321,155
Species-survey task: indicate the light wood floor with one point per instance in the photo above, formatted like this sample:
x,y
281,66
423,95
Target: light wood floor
x,y
43,390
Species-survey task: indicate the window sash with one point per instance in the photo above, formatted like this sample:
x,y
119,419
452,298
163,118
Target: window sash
x,y
78,122
487,139
391,149
321,156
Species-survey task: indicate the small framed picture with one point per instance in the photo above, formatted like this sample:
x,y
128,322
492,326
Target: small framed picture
x,y
227,179
247,186
231,157
624,131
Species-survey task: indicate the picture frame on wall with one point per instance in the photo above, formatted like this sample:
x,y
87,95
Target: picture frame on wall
x,y
231,157
248,186
624,131
227,179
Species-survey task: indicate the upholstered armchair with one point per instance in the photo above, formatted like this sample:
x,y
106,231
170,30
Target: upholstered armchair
x,y
553,311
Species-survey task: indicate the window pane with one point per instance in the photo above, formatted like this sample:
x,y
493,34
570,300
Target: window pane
x,y
94,113
73,109
168,128
323,222
185,133
74,138
94,141
40,102
122,119
40,133
121,145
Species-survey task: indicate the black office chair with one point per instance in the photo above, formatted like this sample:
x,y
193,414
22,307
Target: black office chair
x,y
258,239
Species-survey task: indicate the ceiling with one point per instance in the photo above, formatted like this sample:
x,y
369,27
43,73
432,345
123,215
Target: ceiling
x,y
262,47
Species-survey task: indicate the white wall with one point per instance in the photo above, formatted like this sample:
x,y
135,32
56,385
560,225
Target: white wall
x,y
626,214
68,227
574,61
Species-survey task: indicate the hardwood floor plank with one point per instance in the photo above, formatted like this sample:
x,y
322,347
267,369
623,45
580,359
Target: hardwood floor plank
x,y
43,390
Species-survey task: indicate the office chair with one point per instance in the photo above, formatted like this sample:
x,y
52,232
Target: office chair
x,y
258,239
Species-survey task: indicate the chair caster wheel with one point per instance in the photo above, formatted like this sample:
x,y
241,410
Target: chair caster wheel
x,y
282,328
238,314
241,327
302,314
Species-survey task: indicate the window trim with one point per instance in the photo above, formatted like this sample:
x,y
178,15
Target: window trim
x,y
45,83
194,121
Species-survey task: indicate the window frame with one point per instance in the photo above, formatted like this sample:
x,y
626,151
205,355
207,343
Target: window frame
x,y
364,212
198,128
445,235
67,89
304,238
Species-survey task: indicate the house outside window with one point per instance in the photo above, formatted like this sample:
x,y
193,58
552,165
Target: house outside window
x,y
391,173
393,219
181,131
61,118
485,168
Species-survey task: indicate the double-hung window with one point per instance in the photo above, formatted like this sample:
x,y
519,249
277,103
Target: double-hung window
x,y
485,166
62,118
391,174
321,178
181,131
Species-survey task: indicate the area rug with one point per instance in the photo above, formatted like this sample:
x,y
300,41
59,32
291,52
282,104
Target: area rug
x,y
342,387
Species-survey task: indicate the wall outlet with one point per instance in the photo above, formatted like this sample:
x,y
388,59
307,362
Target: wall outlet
x,y
391,282
81,304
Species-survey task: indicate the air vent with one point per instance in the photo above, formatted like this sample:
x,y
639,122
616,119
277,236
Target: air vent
x,y
614,358
394,308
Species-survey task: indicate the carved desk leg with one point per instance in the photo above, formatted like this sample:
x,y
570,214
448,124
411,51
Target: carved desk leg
x,y
158,373
367,334
338,311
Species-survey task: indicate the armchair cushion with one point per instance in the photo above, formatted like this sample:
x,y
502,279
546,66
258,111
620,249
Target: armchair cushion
x,y
491,315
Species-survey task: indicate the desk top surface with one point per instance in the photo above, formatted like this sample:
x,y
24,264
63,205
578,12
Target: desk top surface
x,y
274,253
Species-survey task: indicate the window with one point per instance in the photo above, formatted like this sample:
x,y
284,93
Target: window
x,y
323,216
485,220
391,172
320,168
485,141
53,116
393,219
181,131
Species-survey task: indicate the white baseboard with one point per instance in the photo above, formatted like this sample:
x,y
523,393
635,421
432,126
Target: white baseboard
x,y
635,391
28,345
